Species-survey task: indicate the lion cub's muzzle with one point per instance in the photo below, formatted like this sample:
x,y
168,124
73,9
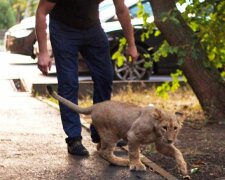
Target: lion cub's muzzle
x,y
167,141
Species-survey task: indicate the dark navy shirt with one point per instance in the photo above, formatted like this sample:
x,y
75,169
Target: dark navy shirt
x,y
80,14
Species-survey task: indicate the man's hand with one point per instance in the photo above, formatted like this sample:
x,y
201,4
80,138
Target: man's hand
x,y
123,15
132,52
44,63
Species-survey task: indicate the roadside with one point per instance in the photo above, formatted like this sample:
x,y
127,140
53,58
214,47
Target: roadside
x,y
31,135
202,145
32,146
203,149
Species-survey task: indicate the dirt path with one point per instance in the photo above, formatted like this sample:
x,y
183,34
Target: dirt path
x,y
203,150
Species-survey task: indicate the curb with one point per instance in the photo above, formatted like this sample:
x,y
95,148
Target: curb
x,y
86,87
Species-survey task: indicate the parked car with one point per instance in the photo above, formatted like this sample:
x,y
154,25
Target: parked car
x,y
21,39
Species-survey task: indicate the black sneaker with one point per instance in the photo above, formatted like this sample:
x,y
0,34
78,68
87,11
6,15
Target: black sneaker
x,y
77,148
121,143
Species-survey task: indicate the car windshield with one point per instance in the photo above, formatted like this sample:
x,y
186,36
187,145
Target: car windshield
x,y
147,8
107,9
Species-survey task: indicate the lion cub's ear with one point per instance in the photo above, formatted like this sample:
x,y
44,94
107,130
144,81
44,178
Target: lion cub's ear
x,y
157,114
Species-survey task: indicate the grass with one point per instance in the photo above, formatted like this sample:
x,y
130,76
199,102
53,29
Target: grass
x,y
183,100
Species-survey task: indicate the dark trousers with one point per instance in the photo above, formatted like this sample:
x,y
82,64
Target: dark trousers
x,y
93,44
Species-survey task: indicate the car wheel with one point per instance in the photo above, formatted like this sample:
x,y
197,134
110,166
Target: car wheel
x,y
133,70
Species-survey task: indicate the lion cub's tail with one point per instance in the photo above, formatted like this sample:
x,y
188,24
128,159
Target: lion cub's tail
x,y
68,103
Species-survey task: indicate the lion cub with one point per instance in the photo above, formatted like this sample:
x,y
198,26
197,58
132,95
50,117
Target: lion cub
x,y
138,125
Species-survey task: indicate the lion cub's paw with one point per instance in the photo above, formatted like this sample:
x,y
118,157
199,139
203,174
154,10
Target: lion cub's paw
x,y
137,167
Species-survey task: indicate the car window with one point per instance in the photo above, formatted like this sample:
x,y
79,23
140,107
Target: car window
x,y
106,11
147,8
133,11
106,6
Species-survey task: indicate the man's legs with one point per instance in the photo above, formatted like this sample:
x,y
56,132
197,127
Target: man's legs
x,y
65,49
97,55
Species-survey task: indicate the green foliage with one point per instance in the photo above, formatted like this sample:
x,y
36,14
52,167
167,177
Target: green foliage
x,y
171,16
223,74
23,8
148,64
194,170
164,50
150,27
206,18
119,54
171,86
7,17
120,57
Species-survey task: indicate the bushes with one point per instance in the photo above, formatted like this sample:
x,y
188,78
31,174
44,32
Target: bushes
x,y
7,17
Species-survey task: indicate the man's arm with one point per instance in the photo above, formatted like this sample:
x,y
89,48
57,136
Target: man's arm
x,y
44,61
123,15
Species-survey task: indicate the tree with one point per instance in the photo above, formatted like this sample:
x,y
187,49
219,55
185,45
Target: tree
x,y
197,62
23,8
7,18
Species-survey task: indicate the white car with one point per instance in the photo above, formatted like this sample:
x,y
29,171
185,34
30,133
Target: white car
x,y
20,38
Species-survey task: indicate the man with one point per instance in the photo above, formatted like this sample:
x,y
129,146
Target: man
x,y
75,27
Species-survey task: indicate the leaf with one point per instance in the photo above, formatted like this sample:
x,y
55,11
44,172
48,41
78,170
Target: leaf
x,y
148,64
174,20
211,56
115,55
120,61
182,1
223,74
194,54
194,170
194,26
146,55
157,33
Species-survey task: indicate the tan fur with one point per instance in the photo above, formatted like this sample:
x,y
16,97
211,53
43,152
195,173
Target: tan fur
x,y
137,125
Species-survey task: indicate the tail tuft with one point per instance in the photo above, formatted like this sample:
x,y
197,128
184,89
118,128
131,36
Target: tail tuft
x,y
50,90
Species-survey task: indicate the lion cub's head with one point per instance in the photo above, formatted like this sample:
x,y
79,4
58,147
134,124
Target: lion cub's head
x,y
167,125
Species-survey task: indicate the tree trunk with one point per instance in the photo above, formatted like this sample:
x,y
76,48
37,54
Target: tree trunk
x,y
204,78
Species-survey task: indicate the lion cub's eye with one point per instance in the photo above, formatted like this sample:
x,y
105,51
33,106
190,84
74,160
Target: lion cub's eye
x,y
175,128
165,128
